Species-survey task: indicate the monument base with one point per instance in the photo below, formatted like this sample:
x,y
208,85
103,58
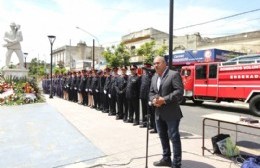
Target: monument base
x,y
15,73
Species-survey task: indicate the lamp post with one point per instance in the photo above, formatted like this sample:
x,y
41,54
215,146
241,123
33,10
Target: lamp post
x,y
93,53
170,32
25,55
51,39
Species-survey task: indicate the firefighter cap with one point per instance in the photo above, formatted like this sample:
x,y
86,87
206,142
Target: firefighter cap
x,y
124,68
133,67
147,65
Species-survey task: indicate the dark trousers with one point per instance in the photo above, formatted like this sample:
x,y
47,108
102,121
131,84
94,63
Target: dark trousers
x,y
144,109
70,94
101,100
152,117
96,99
85,97
169,130
133,105
106,103
74,95
122,106
113,104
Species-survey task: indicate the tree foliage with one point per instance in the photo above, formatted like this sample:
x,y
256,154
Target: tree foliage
x,y
37,67
117,56
148,50
59,70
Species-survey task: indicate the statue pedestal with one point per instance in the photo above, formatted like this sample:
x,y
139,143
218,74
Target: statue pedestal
x,y
15,73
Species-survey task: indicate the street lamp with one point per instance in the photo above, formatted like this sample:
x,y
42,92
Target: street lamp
x,y
171,10
171,32
94,37
51,39
25,55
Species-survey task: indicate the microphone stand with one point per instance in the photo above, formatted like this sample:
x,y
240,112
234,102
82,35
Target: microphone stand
x,y
147,134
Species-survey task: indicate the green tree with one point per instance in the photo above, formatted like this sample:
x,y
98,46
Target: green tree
x,y
161,51
148,50
59,70
117,55
37,67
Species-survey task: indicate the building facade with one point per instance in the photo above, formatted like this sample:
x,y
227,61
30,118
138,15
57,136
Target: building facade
x,y
136,39
248,42
80,56
77,57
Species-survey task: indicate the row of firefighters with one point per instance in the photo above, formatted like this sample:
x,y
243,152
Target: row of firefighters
x,y
104,90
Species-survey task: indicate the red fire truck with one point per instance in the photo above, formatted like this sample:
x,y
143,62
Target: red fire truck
x,y
215,81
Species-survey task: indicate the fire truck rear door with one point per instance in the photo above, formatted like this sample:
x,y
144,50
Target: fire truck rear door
x,y
200,82
212,87
205,83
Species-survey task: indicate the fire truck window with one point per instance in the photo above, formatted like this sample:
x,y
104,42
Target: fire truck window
x,y
186,72
213,71
201,71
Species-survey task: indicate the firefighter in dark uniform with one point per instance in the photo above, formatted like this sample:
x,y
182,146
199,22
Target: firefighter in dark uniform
x,y
88,87
44,84
94,88
102,80
65,86
97,90
112,92
62,84
122,104
132,96
57,85
54,83
81,87
70,87
48,84
74,87
107,90
78,79
144,96
84,91
59,88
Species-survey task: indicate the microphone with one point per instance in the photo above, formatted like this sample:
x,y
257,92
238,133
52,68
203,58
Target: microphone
x,y
150,103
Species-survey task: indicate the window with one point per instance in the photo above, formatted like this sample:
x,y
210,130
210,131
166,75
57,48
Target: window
x,y
132,47
245,58
201,71
213,70
186,72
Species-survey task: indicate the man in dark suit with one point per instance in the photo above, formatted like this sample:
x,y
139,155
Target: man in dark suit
x,y
166,92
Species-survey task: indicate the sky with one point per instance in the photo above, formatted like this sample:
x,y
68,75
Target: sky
x,y
108,20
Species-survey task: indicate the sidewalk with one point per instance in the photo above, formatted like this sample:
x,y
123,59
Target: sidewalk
x,y
124,145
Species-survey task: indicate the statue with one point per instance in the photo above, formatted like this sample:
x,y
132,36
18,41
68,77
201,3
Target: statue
x,y
13,39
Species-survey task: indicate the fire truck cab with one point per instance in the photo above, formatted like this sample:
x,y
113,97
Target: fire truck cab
x,y
215,81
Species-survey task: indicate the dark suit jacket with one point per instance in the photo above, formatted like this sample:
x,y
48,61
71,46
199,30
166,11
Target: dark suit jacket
x,y
171,89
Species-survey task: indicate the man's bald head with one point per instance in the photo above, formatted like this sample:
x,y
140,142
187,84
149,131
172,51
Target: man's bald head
x,y
159,64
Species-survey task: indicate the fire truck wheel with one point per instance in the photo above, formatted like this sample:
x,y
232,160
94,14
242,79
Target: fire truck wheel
x,y
254,105
197,102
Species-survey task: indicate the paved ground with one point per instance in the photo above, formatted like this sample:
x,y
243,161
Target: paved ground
x,y
63,134
39,136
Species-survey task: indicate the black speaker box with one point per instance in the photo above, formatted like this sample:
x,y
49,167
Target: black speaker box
x,y
216,139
